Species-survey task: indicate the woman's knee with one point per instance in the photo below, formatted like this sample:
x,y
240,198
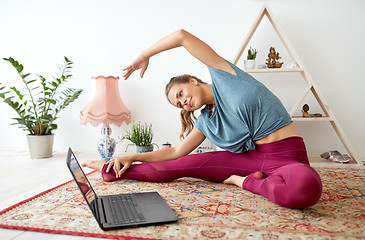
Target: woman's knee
x,y
304,188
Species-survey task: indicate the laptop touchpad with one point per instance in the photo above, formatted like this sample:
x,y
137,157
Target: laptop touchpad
x,y
154,207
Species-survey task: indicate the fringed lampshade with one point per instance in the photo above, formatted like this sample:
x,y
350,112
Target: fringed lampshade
x,y
105,106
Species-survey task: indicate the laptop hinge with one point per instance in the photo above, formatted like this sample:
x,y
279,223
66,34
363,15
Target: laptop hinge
x,y
101,210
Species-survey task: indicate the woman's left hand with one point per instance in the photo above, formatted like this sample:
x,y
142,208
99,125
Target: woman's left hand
x,y
140,63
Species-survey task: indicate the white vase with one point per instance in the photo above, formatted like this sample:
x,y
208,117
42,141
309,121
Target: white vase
x,y
40,146
250,63
106,145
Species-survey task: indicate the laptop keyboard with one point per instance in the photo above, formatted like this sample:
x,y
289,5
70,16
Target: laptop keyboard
x,y
124,210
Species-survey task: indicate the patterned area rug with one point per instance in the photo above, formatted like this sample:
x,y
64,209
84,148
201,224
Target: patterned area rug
x,y
206,211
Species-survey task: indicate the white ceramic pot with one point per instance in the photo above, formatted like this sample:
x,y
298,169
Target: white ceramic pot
x,y
142,149
106,145
250,63
40,146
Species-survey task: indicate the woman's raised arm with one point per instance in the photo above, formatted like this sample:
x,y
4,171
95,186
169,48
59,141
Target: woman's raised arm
x,y
181,38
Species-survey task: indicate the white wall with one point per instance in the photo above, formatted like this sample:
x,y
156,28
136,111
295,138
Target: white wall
x,y
102,37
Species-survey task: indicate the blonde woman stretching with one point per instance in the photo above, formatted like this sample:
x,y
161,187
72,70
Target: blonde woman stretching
x,y
263,152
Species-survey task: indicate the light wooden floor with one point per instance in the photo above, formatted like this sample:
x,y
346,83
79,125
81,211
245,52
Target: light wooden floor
x,y
22,178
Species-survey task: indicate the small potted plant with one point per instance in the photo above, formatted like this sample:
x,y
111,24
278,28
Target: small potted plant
x,y
250,62
141,136
38,105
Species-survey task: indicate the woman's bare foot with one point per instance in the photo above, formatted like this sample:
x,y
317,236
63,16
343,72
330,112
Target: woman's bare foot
x,y
94,164
236,180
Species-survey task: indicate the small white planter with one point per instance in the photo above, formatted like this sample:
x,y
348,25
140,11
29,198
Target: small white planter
x,y
142,149
40,146
250,63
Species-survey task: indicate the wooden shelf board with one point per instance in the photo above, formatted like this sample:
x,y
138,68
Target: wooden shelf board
x,y
311,119
318,162
272,70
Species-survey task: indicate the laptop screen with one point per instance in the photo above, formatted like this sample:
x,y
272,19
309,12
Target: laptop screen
x,y
80,178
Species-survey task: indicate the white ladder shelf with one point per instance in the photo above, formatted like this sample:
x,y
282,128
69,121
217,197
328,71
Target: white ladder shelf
x,y
328,115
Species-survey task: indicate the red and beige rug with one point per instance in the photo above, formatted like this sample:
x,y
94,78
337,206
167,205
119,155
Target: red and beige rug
x,y
206,211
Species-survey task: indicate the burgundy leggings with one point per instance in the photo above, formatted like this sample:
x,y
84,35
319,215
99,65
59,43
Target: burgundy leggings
x,y
279,171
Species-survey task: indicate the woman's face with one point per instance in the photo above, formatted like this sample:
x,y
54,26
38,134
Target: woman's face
x,y
188,96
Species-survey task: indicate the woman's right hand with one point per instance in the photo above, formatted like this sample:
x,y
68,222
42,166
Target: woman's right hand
x,y
141,62
117,163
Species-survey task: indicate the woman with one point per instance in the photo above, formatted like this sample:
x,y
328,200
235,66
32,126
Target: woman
x,y
265,154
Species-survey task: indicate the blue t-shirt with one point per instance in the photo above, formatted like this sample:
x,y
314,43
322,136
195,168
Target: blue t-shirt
x,y
245,111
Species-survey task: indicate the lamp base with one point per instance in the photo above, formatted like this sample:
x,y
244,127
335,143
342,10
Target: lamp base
x,y
106,145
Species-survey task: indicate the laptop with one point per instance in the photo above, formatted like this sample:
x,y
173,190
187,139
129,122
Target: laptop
x,y
122,210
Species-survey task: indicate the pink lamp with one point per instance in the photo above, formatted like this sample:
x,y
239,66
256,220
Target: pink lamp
x,y
105,106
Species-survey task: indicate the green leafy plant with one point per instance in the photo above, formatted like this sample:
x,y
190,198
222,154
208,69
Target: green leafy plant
x,y
251,54
41,100
140,135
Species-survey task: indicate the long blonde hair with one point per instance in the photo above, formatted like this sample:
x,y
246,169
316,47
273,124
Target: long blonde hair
x,y
187,118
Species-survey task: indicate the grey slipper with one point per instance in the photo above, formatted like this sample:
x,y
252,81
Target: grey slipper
x,y
336,156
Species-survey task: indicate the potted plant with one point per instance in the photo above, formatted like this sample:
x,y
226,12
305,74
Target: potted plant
x,y
38,105
250,62
141,136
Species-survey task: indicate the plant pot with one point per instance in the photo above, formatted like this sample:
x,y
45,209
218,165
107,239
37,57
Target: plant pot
x,y
40,146
250,63
142,149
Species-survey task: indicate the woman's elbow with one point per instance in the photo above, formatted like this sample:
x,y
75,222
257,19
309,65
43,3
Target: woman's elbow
x,y
181,34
